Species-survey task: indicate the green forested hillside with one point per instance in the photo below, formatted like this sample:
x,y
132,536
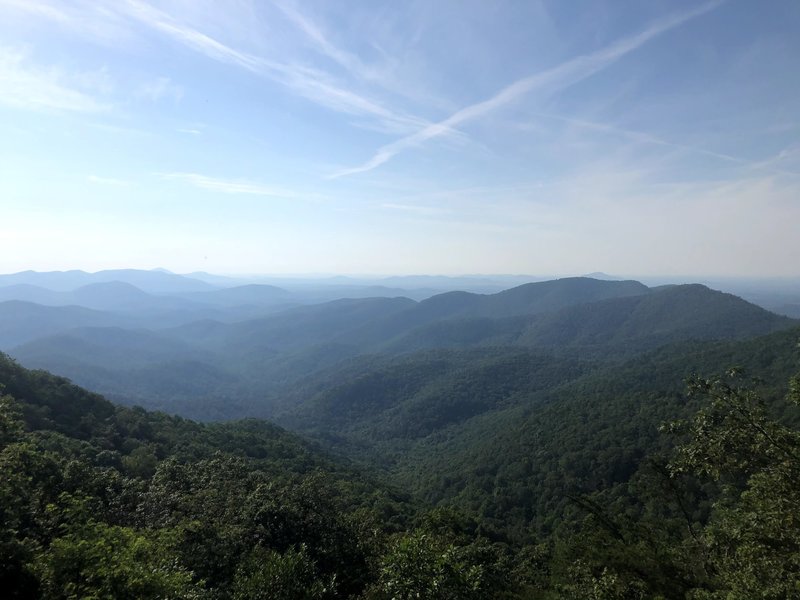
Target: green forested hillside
x,y
536,463
108,502
524,300
545,296
619,326
581,497
667,315
390,400
508,434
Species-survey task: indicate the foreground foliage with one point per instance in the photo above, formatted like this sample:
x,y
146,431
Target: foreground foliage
x,y
100,501
719,520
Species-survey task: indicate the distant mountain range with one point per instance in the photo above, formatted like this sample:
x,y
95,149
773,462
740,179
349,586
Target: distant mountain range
x,y
22,322
780,295
153,282
239,351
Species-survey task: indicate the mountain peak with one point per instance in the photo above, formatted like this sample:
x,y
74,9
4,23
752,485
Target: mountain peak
x,y
602,276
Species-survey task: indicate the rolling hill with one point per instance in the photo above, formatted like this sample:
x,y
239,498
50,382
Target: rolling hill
x,y
22,322
252,366
486,430
153,282
610,327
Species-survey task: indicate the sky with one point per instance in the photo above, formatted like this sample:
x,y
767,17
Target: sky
x,y
657,137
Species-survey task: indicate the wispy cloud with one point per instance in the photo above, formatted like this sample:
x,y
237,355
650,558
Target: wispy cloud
x,y
106,21
383,74
770,165
313,84
233,186
91,19
351,63
551,80
783,161
316,86
314,33
40,9
25,86
196,40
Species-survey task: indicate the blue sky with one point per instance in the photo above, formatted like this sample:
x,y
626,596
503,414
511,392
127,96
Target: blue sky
x,y
634,137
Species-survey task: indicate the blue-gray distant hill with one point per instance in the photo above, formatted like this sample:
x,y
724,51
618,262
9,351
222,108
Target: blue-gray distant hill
x,y
250,294
249,365
624,324
153,282
21,322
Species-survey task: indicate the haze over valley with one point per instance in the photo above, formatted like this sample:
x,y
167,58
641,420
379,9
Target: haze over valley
x,y
226,348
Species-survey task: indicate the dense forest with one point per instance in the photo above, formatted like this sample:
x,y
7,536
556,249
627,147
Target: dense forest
x,y
106,501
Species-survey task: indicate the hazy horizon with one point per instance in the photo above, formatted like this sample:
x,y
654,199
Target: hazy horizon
x,y
321,276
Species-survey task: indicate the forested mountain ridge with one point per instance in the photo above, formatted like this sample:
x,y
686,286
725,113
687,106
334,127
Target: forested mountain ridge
x,y
244,294
110,502
414,395
465,426
666,315
210,369
22,322
113,296
594,430
525,299
626,324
